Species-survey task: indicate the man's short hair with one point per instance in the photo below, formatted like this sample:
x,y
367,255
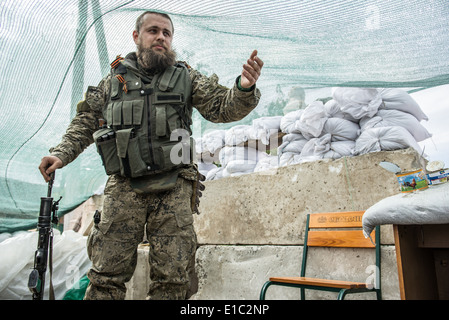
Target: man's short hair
x,y
139,20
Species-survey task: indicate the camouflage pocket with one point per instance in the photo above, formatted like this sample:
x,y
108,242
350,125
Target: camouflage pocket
x,y
183,212
94,239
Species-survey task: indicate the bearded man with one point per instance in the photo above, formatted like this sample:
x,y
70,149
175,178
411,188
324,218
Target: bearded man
x,y
140,117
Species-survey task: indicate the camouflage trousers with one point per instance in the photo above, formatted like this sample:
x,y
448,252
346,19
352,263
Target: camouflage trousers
x,y
112,243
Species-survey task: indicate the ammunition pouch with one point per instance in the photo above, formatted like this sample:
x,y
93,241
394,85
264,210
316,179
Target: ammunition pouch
x,y
105,140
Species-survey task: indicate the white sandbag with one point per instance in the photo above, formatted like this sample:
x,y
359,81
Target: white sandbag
x,y
215,174
292,142
341,129
358,102
288,122
213,140
385,139
286,158
339,149
228,154
389,118
312,120
267,123
316,147
241,166
267,163
204,168
398,99
238,135
226,173
429,206
265,127
333,111
203,154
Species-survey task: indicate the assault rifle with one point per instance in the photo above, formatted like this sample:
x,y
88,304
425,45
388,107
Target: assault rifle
x,y
47,217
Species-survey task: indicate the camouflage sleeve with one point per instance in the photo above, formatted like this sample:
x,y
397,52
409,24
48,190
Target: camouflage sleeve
x,y
78,135
218,103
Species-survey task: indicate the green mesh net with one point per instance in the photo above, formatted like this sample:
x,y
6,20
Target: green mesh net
x,y
52,50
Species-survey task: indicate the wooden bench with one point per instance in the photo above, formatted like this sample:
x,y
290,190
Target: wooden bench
x,y
338,230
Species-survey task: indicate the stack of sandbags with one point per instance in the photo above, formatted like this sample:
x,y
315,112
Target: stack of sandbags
x,y
238,160
265,128
207,150
319,131
395,125
355,121
244,146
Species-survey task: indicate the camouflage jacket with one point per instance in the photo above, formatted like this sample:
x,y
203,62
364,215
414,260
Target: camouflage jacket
x,y
216,103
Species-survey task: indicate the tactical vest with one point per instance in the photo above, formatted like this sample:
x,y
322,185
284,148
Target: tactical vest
x,y
147,127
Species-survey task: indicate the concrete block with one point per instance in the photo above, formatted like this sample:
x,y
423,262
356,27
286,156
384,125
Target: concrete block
x,y
239,272
271,207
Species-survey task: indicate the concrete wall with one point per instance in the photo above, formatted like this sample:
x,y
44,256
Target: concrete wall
x,y
251,227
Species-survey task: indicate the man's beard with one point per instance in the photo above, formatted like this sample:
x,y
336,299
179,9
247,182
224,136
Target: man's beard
x,y
157,62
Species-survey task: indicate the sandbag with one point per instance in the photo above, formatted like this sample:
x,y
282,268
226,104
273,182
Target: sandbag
x,y
288,122
215,174
267,163
289,158
265,127
389,118
204,168
316,147
358,102
398,99
228,154
312,120
341,129
339,149
238,135
292,142
429,206
213,140
235,166
203,154
385,139
333,110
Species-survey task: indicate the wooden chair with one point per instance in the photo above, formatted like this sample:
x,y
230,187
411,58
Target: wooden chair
x,y
343,229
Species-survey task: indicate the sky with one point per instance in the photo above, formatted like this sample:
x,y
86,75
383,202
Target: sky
x,y
435,104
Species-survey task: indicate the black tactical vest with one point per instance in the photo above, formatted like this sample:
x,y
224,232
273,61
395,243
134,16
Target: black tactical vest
x,y
148,123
